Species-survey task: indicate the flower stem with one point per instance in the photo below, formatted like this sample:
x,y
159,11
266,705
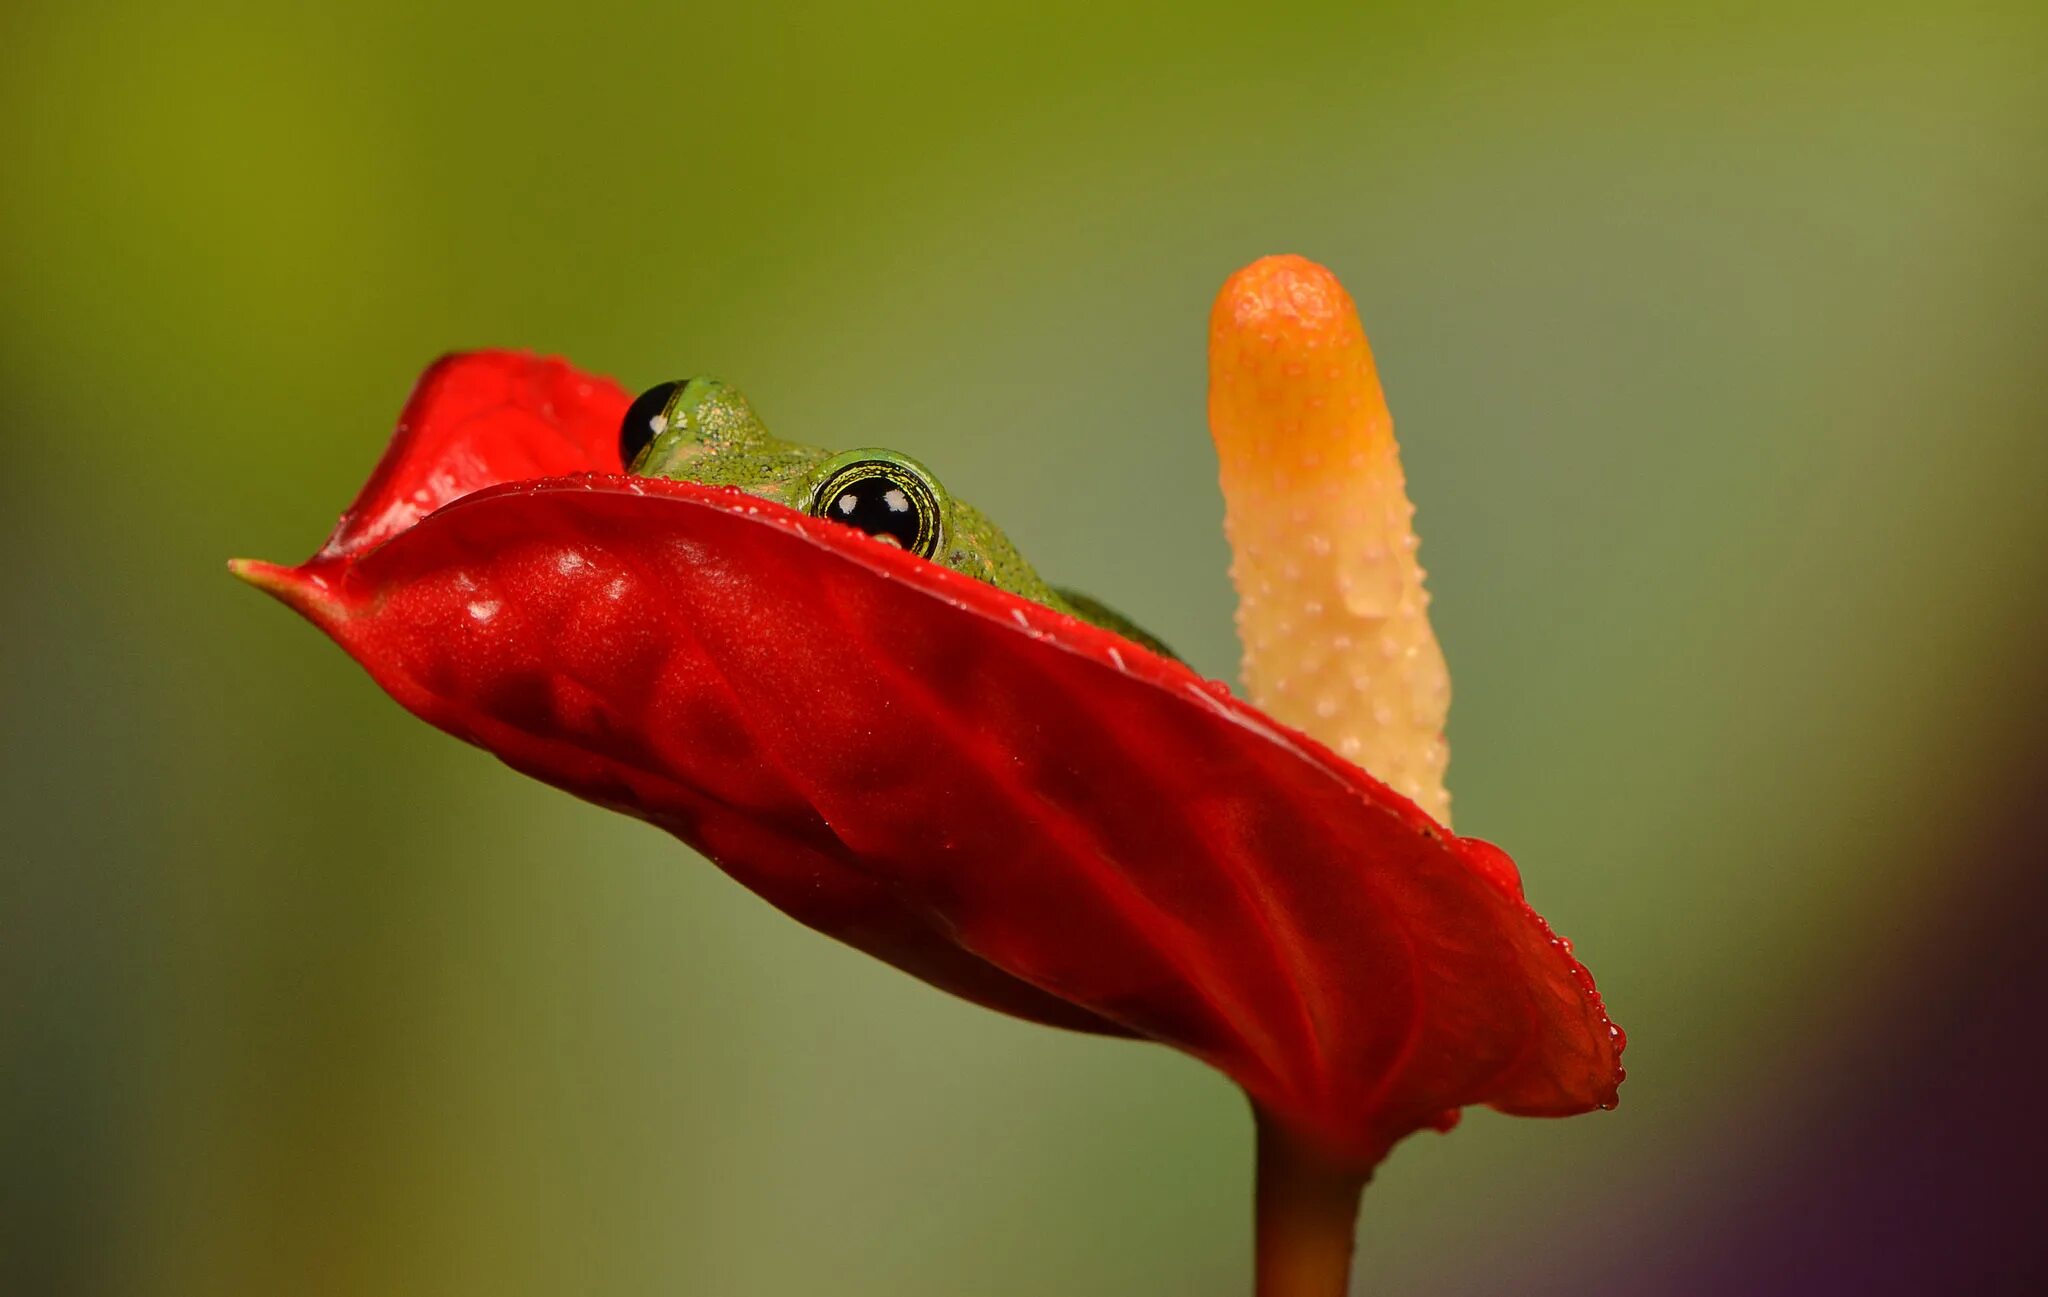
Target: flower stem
x,y
1307,1215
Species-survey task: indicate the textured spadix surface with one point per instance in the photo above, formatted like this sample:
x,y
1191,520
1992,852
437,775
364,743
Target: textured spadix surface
x,y
1331,605
1015,806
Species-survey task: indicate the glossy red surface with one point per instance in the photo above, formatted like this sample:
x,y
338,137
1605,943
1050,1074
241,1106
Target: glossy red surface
x,y
1020,808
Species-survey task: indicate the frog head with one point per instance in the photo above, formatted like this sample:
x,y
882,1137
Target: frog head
x,y
703,430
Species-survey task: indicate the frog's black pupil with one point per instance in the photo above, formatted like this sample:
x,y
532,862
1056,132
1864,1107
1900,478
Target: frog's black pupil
x,y
636,431
879,506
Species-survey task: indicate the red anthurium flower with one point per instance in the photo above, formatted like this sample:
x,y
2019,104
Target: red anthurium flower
x,y
1023,809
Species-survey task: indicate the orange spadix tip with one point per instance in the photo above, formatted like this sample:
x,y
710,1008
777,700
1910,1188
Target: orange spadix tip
x,y
1292,382
1287,299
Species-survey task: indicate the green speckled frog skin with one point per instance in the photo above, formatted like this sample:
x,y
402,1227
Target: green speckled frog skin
x,y
703,430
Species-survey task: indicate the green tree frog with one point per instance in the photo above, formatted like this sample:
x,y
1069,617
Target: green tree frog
x,y
704,430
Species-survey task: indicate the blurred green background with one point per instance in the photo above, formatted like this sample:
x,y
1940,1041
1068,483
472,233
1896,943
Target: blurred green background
x,y
1715,339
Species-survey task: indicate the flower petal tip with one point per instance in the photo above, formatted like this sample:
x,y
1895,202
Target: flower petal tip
x,y
306,593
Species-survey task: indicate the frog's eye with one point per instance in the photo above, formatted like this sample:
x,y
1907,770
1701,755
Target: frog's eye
x,y
888,497
645,419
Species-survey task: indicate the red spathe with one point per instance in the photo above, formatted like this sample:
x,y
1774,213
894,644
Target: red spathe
x,y
1026,810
